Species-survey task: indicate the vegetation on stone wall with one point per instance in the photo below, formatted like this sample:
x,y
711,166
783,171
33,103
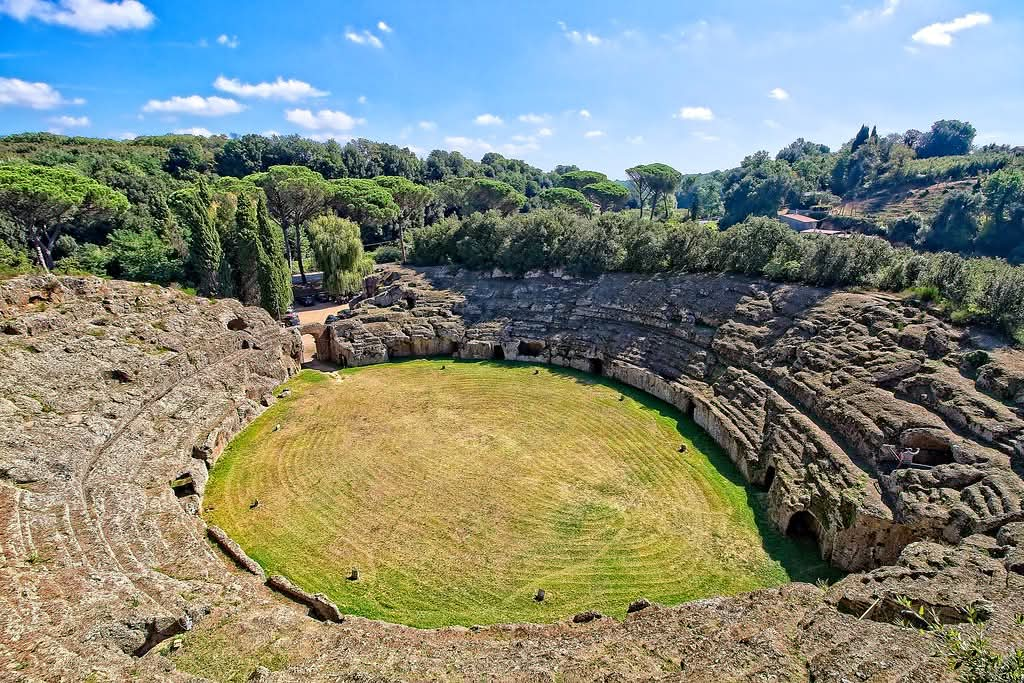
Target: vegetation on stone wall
x,y
984,290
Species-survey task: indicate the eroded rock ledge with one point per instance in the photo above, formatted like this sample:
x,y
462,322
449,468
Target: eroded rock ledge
x,y
117,397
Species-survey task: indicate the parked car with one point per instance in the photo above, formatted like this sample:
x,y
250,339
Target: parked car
x,y
332,318
308,300
290,320
322,296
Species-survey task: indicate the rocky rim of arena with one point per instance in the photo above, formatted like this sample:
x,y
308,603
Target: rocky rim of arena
x,y
118,397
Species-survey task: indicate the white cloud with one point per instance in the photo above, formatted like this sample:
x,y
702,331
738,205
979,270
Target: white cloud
x,y
941,34
270,133
361,99
195,104
70,121
381,26
203,132
468,145
427,125
363,38
227,41
15,92
325,119
584,114
579,37
594,134
695,114
772,123
90,16
488,120
778,94
869,16
127,135
533,118
545,133
635,139
289,90
705,137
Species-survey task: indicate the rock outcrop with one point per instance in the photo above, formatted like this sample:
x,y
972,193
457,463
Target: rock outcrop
x,y
117,398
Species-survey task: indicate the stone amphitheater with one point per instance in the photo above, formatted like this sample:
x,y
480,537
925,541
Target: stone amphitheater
x,y
118,397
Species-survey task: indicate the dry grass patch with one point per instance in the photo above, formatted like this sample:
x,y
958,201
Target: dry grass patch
x,y
457,493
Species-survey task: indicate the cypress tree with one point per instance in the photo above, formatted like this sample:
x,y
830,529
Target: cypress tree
x,y
274,276
205,252
248,253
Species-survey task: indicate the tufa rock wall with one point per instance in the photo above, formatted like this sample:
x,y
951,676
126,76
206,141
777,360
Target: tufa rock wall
x,y
801,386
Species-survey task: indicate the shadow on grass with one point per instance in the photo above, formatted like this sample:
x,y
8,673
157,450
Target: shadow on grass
x,y
799,557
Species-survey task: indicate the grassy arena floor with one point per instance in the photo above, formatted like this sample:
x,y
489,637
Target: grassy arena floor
x,y
459,492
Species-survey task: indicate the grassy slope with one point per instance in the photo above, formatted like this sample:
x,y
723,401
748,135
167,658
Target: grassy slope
x,y
458,493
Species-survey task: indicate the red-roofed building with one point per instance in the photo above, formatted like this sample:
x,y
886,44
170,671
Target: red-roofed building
x,y
798,222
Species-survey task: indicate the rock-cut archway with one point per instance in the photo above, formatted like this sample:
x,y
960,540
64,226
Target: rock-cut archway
x,y
320,347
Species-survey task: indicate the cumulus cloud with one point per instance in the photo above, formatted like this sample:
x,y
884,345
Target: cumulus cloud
x,y
533,118
361,99
195,130
468,145
488,120
695,114
89,16
289,90
15,92
778,94
427,125
363,38
579,37
941,34
584,114
227,41
127,135
70,121
325,119
381,26
194,104
545,133
594,134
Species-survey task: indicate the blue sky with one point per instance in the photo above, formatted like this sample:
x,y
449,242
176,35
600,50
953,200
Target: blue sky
x,y
604,85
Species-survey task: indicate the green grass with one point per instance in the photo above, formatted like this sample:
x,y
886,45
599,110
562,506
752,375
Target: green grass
x,y
459,492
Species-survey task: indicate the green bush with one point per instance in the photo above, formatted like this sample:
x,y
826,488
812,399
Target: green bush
x,y
389,253
968,289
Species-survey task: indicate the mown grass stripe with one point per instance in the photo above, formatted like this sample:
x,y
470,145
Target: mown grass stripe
x,y
458,492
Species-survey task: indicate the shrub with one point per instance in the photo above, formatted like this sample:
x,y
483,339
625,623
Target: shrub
x,y
389,253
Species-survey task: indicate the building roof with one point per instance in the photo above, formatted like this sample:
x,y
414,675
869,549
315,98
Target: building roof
x,y
799,218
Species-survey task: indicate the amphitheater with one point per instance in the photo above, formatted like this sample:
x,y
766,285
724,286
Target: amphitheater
x,y
118,398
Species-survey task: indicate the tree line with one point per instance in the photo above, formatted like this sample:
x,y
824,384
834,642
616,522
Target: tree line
x,y
983,290
236,217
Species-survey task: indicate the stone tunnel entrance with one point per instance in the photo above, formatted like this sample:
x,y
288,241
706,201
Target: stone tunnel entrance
x,y
804,526
315,343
